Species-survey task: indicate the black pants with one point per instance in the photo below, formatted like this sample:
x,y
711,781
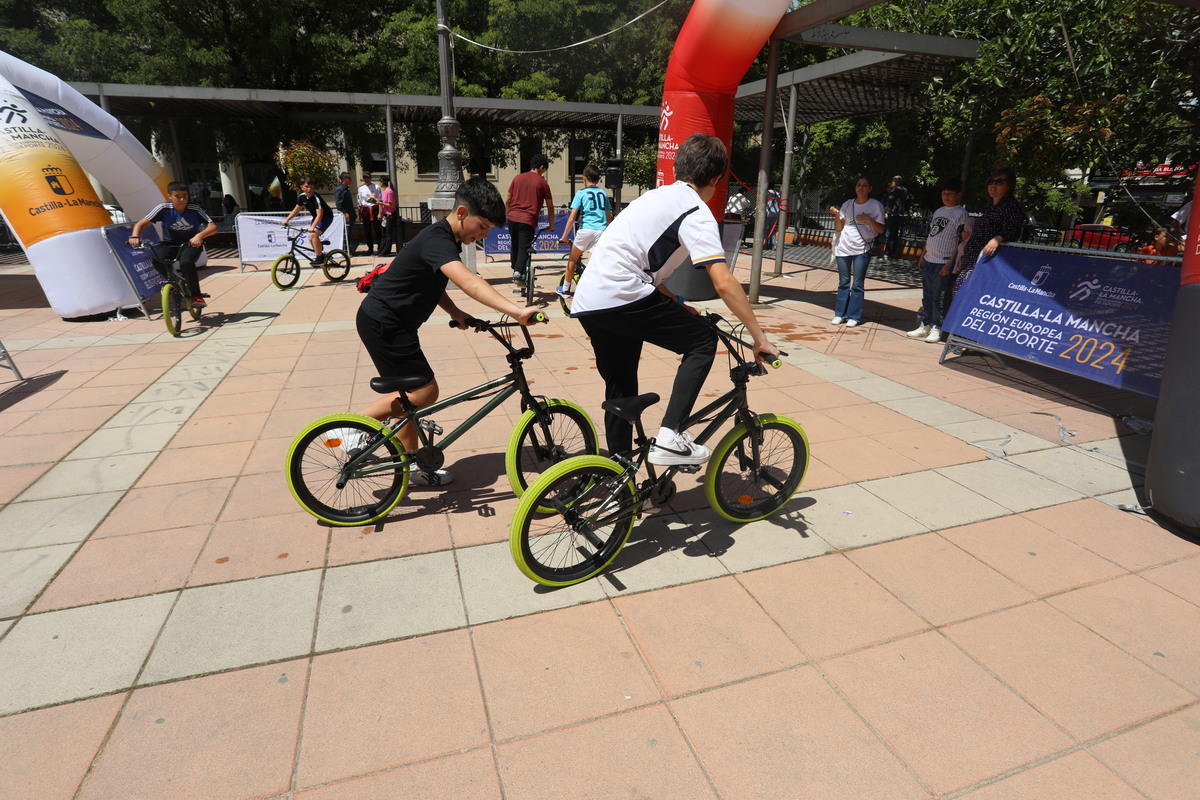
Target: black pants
x,y
521,239
617,338
370,230
188,256
388,223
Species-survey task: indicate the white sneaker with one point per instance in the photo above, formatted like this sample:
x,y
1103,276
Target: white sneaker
x,y
348,440
919,332
850,323
681,452
935,335
836,321
420,477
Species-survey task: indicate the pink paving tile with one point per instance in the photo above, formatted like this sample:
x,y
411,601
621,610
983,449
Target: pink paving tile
x,y
11,418
185,464
870,419
862,459
125,566
644,756
328,375
223,736
555,669
155,508
55,420
939,581
262,546
325,399
1087,685
220,430
704,634
14,480
227,405
470,776
1156,627
930,447
261,495
388,705
39,449
1119,536
828,605
289,422
820,476
70,734
267,455
824,396
1041,561
948,719
87,396
1075,775
1158,758
790,735
140,376
820,428
1181,578
250,383
417,525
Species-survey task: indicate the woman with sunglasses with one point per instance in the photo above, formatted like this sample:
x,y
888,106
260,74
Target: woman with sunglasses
x,y
1001,222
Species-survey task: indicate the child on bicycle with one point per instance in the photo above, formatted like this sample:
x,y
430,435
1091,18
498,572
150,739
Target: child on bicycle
x,y
622,303
184,223
414,285
322,217
591,204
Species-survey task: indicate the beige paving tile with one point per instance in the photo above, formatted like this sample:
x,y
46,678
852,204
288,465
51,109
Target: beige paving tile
x,y
1150,623
790,735
422,700
73,733
934,500
555,669
1083,472
263,546
850,516
125,566
1077,774
493,587
1042,562
778,539
931,410
471,774
106,442
1123,538
61,520
948,719
938,580
1159,759
705,634
997,437
24,573
644,756
230,735
666,550
1084,683
89,476
1010,486
828,605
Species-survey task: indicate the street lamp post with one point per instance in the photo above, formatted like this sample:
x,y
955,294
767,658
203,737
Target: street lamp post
x,y
449,157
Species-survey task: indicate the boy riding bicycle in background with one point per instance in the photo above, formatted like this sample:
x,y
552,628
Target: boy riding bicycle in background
x,y
322,217
592,206
621,302
406,295
184,223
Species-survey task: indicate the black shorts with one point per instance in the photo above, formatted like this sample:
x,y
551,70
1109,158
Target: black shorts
x,y
395,351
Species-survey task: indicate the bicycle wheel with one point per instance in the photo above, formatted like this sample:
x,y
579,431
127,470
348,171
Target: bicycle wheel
x,y
172,308
533,449
565,302
530,280
594,511
337,265
315,467
285,271
743,488
194,310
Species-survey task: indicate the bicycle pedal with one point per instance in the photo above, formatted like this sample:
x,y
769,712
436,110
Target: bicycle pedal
x,y
688,468
431,427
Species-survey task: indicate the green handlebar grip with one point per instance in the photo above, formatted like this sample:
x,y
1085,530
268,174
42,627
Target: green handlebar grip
x,y
776,364
539,317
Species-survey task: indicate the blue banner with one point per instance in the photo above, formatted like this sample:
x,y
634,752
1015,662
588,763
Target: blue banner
x,y
58,117
499,240
136,261
1100,318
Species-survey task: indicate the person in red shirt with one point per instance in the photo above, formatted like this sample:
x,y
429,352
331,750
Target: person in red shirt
x,y
526,194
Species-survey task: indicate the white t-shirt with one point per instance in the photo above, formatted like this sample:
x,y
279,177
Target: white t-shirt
x,y
1183,214
367,191
857,236
944,230
644,244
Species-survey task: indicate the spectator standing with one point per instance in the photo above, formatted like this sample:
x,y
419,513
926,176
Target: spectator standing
x,y
343,201
857,222
896,206
770,216
948,227
1160,245
369,195
526,194
387,216
229,206
1000,222
594,209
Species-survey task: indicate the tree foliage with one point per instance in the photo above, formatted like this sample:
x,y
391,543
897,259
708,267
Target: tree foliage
x,y
301,159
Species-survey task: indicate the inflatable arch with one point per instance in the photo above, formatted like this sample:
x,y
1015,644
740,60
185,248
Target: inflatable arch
x,y
50,134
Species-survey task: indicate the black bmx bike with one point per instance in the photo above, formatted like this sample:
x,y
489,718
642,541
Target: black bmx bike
x,y
286,269
175,297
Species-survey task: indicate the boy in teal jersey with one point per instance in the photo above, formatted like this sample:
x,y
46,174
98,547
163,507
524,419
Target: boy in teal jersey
x,y
594,209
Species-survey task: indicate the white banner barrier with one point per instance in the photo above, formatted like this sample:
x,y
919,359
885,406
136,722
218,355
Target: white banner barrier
x,y
261,238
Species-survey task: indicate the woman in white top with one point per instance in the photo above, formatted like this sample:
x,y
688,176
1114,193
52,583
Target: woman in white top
x,y
858,222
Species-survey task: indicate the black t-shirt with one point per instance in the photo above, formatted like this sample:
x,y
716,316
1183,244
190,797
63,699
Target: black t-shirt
x,y
408,292
311,204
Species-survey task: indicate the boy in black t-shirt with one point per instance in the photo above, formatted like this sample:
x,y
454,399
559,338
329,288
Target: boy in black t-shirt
x,y
322,217
406,295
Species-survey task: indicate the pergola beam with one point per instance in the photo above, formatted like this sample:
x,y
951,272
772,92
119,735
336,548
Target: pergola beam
x,y
888,41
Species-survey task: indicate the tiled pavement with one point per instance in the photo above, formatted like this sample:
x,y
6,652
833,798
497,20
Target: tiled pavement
x,y
950,606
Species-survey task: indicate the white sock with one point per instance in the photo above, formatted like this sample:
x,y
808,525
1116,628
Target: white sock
x,y
666,435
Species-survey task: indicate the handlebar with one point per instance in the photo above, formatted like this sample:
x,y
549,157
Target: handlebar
x,y
716,321
494,329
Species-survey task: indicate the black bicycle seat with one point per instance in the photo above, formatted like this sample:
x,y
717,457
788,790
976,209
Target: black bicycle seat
x,y
630,408
402,384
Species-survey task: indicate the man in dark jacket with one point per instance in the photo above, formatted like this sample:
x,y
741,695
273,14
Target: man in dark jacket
x,y
343,201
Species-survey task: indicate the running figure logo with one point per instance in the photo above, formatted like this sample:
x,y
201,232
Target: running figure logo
x,y
59,184
664,121
1084,290
13,115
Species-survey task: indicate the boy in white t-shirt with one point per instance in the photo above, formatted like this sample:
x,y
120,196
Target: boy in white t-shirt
x,y
621,302
949,226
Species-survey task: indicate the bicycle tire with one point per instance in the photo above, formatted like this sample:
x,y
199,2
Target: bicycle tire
x,y
172,308
336,266
572,433
742,492
314,465
285,271
530,280
195,311
574,542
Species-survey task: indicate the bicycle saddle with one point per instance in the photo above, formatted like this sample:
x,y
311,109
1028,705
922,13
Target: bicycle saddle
x,y
630,408
401,384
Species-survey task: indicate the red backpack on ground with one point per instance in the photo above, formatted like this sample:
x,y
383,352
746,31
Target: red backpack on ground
x,y
364,283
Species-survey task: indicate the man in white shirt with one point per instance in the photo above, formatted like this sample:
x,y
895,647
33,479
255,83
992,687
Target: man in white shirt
x,y
369,195
621,301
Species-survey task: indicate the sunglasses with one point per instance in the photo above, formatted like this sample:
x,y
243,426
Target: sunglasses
x,y
997,181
